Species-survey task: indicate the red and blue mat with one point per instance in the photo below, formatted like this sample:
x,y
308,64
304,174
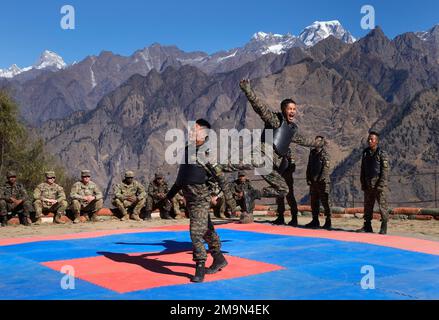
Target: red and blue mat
x,y
265,262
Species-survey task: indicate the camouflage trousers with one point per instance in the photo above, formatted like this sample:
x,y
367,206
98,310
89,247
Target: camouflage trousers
x,y
319,193
92,207
23,209
164,206
200,226
380,196
280,183
125,206
43,207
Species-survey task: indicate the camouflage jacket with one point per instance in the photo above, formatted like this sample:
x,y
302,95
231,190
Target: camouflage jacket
x,y
318,166
16,191
80,190
154,190
273,120
374,169
123,190
47,191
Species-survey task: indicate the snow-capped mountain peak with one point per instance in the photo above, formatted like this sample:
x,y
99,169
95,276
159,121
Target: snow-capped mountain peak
x,y
49,59
320,30
261,36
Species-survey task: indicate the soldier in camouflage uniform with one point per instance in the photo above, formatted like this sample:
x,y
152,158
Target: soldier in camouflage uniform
x,y
178,203
156,196
317,177
193,177
14,198
86,197
50,197
217,201
245,196
129,195
374,175
285,133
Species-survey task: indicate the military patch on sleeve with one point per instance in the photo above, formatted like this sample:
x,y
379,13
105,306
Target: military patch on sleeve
x,y
385,164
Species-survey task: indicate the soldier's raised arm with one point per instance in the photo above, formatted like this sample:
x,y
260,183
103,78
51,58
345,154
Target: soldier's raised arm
x,y
303,141
260,107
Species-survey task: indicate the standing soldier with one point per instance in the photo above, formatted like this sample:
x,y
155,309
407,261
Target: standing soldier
x,y
285,132
50,197
374,174
317,177
86,197
14,198
156,198
129,195
192,178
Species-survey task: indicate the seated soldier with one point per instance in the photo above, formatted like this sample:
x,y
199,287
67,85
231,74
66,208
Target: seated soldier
x,y
50,197
86,197
156,198
14,199
179,203
245,196
129,196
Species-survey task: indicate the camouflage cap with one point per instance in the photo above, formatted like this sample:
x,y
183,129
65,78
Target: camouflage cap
x,y
129,174
50,174
241,173
10,174
85,173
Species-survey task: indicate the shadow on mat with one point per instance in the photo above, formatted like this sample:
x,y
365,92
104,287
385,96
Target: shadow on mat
x,y
270,222
152,264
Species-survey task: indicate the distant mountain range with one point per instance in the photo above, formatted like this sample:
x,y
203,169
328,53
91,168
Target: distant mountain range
x,y
110,113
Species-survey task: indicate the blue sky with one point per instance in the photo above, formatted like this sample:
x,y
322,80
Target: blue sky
x,y
123,26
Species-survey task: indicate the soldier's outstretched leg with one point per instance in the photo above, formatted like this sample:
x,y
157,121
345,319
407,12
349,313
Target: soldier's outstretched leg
x,y
291,199
384,210
94,207
214,243
198,226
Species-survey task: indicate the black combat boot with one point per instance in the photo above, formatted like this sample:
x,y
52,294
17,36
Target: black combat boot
x,y
383,229
200,271
166,216
328,224
314,224
367,227
219,262
293,222
280,220
77,217
58,219
147,215
25,220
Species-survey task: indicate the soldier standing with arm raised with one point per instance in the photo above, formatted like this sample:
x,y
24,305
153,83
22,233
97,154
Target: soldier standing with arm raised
x,y
374,176
285,132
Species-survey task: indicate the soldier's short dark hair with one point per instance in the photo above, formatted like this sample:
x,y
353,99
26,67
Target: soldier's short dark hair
x,y
286,102
374,133
203,123
319,137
